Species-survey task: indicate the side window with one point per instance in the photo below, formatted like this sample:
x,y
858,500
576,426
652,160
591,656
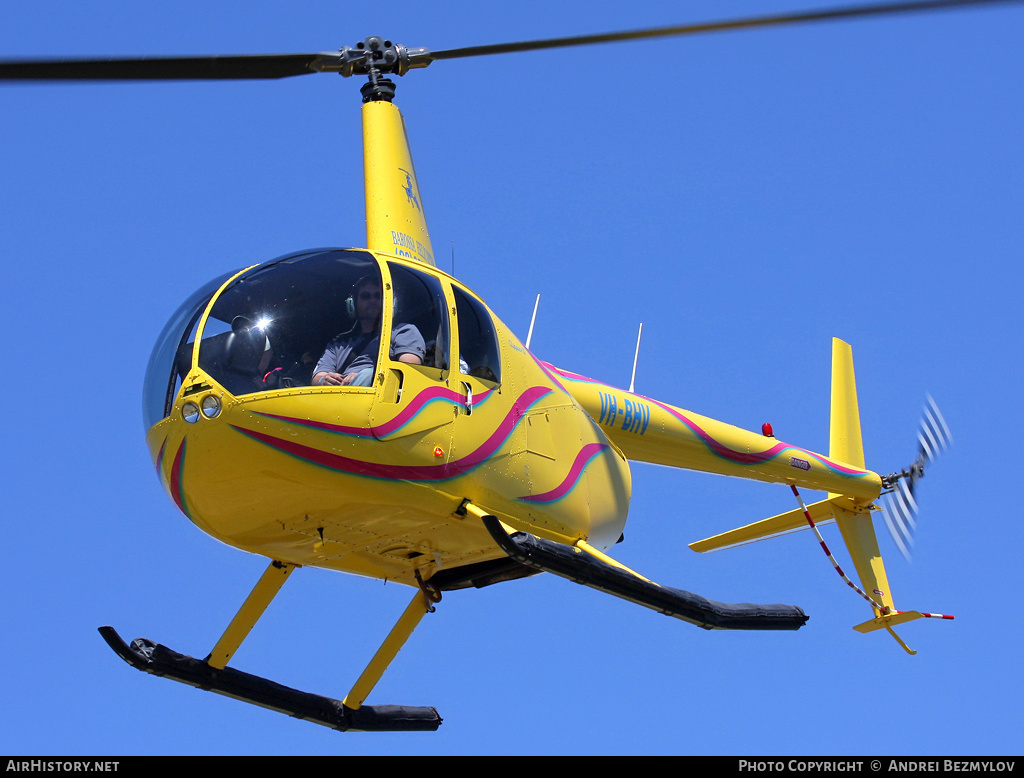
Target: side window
x,y
478,339
419,323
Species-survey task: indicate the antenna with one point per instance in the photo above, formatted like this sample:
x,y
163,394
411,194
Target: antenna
x,y
632,380
529,335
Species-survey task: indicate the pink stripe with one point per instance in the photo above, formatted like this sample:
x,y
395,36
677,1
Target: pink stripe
x,y
572,376
160,456
408,472
383,430
587,453
177,492
551,372
741,457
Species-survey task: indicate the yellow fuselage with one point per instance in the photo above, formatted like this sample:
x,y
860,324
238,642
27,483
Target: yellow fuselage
x,y
370,480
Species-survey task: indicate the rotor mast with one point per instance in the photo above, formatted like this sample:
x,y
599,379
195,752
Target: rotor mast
x,y
395,222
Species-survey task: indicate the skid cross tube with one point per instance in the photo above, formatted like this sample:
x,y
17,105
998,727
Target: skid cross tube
x,y
407,622
255,604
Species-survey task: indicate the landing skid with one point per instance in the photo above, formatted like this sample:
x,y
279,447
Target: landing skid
x,y
212,674
588,566
159,660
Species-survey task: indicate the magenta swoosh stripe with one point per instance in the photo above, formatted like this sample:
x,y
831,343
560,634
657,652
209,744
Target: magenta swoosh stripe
x,y
747,458
393,425
177,488
741,457
587,453
557,371
714,445
550,371
160,456
408,472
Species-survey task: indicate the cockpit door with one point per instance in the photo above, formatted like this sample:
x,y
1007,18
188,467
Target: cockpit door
x,y
414,402
487,418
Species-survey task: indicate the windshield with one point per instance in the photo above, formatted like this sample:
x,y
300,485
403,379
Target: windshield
x,y
172,354
270,328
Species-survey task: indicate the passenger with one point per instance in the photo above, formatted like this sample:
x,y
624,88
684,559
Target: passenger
x,y
351,358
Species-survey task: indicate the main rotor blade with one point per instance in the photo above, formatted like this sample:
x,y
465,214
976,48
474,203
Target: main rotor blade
x,y
847,12
259,66
353,61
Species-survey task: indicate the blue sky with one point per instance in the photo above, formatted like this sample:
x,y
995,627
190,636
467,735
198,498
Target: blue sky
x,y
746,195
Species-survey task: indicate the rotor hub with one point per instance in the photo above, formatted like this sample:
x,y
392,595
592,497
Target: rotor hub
x,y
373,54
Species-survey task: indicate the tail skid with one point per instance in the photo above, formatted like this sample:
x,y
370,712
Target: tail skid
x,y
887,622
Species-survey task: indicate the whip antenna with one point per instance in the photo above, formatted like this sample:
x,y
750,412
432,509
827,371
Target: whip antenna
x,y
533,320
636,354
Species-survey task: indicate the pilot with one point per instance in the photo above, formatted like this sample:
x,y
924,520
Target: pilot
x,y
351,358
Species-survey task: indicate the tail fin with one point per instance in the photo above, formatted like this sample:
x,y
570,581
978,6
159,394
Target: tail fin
x,y
844,438
845,444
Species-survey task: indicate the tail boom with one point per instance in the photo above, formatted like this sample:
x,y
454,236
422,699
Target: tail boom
x,y
648,430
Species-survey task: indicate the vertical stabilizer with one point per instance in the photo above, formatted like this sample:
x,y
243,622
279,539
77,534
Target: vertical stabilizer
x,y
846,445
395,223
845,442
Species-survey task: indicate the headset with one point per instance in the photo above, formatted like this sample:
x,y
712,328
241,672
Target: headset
x,y
350,301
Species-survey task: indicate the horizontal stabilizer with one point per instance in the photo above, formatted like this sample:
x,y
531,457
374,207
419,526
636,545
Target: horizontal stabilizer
x,y
890,620
821,512
155,659
591,570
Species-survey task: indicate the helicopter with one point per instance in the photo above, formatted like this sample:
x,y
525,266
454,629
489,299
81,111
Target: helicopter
x,y
473,393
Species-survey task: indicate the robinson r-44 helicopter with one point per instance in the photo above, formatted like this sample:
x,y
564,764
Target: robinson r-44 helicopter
x,y
450,456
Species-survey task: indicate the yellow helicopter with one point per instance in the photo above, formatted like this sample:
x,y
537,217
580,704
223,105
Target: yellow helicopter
x,y
464,461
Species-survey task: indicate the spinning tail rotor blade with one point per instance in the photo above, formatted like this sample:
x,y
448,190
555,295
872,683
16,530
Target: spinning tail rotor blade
x,y
905,497
934,436
899,506
899,516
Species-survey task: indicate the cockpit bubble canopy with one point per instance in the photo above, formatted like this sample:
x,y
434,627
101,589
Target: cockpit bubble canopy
x,y
269,326
266,329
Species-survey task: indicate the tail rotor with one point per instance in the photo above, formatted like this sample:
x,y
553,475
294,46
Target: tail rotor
x,y
899,506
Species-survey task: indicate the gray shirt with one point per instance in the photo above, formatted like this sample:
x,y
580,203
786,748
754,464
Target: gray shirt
x,y
351,352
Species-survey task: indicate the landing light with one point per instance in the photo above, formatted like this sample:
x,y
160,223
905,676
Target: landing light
x,y
190,412
211,406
